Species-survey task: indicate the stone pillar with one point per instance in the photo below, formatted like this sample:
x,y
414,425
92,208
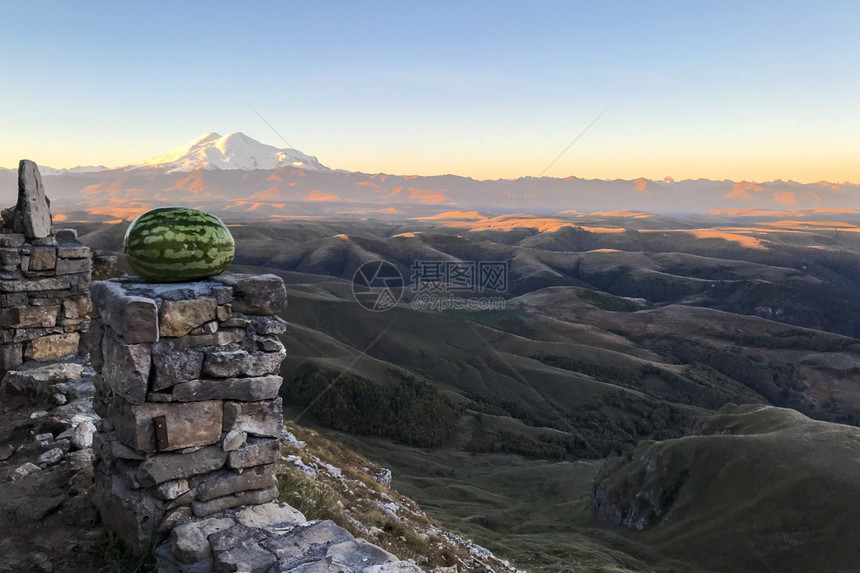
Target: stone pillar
x,y
187,389
44,280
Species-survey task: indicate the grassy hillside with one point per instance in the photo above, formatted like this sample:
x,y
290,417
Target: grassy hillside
x,y
756,489
613,333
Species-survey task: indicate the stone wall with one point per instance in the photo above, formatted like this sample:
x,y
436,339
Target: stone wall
x,y
44,280
187,389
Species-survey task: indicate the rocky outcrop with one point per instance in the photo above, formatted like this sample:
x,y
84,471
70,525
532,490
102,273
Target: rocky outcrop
x,y
31,215
46,470
44,280
638,489
270,538
188,392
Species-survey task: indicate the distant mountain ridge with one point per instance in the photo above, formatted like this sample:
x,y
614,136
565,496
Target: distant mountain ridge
x,y
238,175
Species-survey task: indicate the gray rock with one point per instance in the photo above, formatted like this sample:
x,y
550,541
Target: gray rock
x,y
255,452
245,389
41,561
301,540
223,294
269,344
132,514
263,419
11,239
234,440
10,259
126,368
24,470
179,317
29,317
134,318
167,563
43,259
269,514
106,446
66,235
36,285
230,363
53,347
264,325
173,364
173,516
81,459
383,476
66,266
224,312
224,363
357,554
184,499
168,291
254,497
11,356
6,451
78,251
256,294
51,457
38,379
172,489
220,338
32,214
83,435
239,549
226,482
210,327
44,438
189,541
234,322
81,307
394,567
188,424
169,466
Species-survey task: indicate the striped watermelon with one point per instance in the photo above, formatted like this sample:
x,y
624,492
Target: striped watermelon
x,y
172,244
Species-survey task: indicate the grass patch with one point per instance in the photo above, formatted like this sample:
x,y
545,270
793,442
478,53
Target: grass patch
x,y
114,557
355,501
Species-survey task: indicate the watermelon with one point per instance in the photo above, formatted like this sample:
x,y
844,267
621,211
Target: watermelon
x,y
172,244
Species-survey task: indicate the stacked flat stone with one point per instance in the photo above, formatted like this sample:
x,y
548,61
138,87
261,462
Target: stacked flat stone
x,y
44,280
187,389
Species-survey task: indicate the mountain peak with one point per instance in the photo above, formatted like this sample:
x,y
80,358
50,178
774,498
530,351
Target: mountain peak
x,y
211,136
233,151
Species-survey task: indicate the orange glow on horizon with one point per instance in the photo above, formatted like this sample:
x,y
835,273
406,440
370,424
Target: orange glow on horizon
x,y
317,195
427,195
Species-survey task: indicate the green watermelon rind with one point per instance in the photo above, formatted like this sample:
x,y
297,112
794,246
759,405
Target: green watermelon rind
x,y
170,232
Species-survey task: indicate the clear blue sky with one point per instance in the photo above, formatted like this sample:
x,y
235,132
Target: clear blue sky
x,y
739,90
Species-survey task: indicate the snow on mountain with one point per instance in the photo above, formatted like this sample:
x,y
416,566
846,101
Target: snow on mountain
x,y
51,171
233,151
79,169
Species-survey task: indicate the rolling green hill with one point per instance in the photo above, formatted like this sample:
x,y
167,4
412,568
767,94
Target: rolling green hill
x,y
636,330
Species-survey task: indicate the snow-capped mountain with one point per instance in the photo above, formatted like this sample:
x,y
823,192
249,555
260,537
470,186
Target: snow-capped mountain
x,y
233,151
212,151
236,174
